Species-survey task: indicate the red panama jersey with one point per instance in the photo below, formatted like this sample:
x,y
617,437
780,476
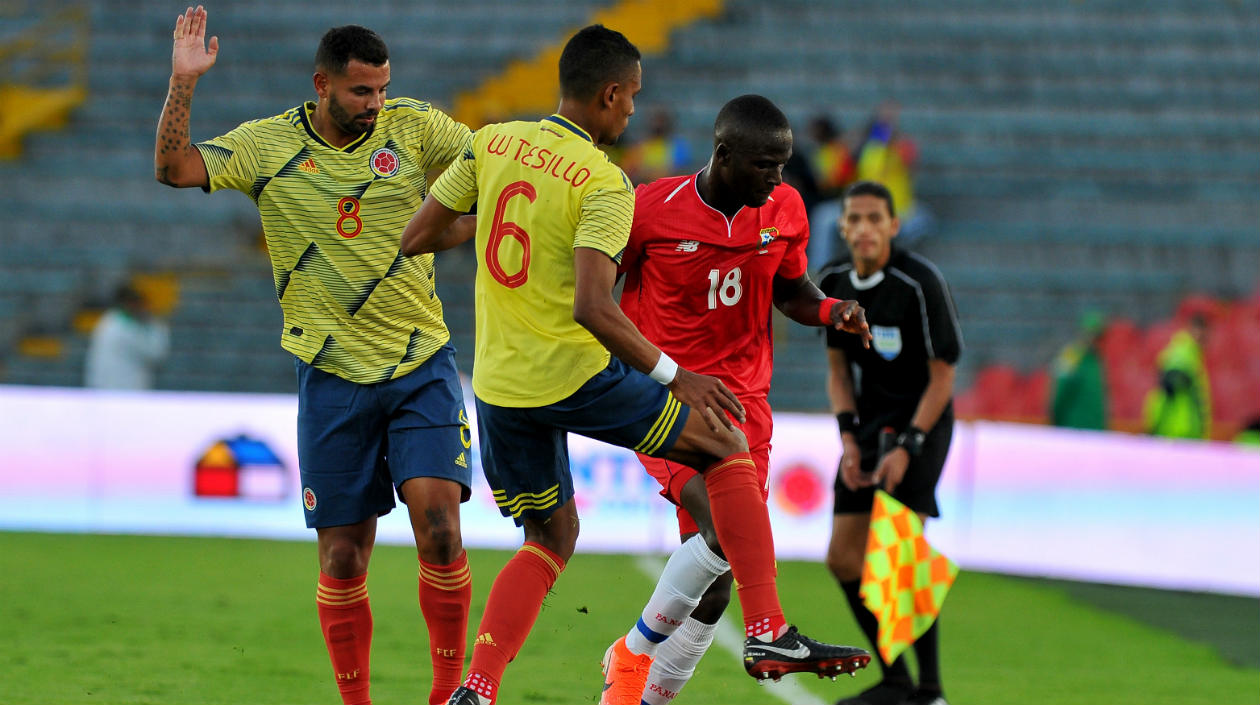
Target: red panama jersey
x,y
700,287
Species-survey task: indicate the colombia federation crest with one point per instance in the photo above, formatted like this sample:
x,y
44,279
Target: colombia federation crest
x,y
384,162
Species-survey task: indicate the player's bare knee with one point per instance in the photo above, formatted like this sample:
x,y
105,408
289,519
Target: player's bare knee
x,y
558,533
709,534
732,441
700,446
714,600
707,531
440,544
724,443
561,543
437,532
343,559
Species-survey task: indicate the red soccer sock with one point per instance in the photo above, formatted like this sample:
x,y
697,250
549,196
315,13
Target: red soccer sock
x,y
346,620
743,529
513,606
445,591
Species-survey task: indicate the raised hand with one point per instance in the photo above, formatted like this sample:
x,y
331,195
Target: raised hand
x,y
191,57
849,317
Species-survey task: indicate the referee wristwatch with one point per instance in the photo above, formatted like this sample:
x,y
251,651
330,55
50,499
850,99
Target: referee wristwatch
x,y
912,440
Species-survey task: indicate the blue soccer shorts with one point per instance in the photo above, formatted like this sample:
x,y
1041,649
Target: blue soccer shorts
x,y
524,451
358,443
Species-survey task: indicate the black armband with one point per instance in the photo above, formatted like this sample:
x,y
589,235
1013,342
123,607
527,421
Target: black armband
x,y
848,422
912,440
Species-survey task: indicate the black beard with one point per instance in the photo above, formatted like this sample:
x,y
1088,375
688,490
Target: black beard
x,y
344,122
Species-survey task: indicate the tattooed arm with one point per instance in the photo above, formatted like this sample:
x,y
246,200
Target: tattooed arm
x,y
175,161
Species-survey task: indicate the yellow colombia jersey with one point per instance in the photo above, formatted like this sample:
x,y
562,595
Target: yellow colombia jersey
x,y
542,189
353,305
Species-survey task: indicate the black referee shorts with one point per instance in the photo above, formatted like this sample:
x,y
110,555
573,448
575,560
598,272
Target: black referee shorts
x,y
917,489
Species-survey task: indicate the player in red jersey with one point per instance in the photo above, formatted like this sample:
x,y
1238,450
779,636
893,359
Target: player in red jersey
x,y
708,256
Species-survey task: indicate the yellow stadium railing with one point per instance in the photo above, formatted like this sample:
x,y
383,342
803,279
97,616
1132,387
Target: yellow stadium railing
x,y
43,76
530,87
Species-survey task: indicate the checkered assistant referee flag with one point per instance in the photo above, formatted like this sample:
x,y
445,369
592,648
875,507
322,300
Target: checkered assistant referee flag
x,y
905,580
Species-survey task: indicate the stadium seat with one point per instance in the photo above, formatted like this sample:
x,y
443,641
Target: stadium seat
x,y
1119,339
1126,388
1035,396
994,390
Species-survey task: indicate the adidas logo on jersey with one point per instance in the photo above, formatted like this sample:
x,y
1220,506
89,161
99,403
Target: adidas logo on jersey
x,y
687,246
461,460
309,166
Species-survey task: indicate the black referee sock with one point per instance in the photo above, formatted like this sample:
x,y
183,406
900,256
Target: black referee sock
x,y
895,673
927,653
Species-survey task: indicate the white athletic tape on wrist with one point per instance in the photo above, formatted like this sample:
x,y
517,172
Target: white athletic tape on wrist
x,y
665,370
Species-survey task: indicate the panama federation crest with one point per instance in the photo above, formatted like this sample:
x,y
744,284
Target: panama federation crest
x,y
767,236
887,341
384,162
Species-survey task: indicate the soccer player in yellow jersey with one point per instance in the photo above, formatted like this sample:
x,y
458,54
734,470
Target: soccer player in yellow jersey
x,y
555,354
379,403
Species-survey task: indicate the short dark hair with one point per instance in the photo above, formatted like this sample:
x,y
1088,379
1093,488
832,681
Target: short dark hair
x,y
126,295
824,128
341,44
871,188
747,120
594,57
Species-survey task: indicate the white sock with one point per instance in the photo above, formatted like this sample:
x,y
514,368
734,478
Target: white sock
x,y
688,573
676,661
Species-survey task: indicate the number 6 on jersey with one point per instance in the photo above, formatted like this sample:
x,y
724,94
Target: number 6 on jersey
x,y
499,229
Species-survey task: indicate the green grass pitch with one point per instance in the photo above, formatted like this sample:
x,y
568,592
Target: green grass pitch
x,y
191,621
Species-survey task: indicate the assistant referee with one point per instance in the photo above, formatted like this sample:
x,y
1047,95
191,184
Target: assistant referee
x,y
901,387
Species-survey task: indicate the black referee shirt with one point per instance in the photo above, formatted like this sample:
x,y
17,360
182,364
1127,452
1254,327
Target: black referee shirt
x,y
913,320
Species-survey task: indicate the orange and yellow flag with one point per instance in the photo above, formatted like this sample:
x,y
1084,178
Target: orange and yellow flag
x,y
905,580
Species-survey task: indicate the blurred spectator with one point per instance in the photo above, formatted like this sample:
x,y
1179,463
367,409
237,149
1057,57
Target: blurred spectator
x,y
1080,391
663,153
1180,406
888,156
799,174
127,344
834,169
832,159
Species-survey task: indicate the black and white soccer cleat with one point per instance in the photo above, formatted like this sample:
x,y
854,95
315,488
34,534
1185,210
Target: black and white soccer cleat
x,y
794,652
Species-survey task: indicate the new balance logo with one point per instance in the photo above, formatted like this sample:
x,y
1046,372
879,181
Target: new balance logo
x,y
309,166
687,246
461,460
485,639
